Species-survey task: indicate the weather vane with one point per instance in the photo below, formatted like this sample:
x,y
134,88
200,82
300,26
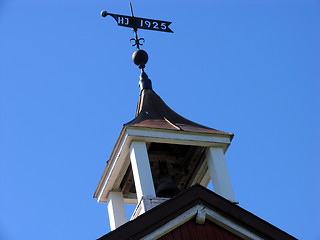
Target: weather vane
x,y
135,23
140,57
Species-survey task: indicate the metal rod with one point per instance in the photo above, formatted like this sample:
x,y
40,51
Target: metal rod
x,y
131,9
135,30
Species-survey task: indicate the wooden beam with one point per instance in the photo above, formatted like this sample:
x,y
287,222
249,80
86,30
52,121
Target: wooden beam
x,y
128,181
193,158
163,156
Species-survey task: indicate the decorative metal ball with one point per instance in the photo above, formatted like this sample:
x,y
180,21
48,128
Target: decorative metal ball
x,y
140,58
104,13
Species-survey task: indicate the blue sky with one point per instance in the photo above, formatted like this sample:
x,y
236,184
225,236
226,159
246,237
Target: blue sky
x,y
67,84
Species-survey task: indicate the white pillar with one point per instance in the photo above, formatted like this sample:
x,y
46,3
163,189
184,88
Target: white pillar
x,y
141,170
219,173
116,210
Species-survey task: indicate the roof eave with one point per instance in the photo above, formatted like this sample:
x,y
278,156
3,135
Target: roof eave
x,y
162,214
104,174
165,136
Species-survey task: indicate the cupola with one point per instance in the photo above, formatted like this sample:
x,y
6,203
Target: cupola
x,y
159,154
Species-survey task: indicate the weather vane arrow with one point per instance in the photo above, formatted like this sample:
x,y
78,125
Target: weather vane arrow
x,y
139,57
142,23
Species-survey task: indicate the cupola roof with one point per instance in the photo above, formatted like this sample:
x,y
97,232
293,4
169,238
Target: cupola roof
x,y
153,112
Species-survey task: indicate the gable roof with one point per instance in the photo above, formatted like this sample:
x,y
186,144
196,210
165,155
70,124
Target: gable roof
x,y
206,231
152,112
160,216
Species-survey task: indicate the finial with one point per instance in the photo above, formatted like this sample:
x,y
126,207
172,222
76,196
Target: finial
x,y
140,58
145,82
104,13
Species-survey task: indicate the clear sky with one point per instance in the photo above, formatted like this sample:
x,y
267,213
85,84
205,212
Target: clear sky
x,y
68,83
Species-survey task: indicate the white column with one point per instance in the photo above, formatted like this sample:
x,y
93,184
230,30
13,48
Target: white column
x,y
116,210
141,170
219,173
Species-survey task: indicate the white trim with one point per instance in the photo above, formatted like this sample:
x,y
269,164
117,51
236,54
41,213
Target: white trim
x,y
121,158
201,216
231,226
114,169
186,216
211,216
206,179
186,138
130,198
146,203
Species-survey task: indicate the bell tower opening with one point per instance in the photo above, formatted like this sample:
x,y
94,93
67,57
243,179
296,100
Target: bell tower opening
x,y
172,168
179,160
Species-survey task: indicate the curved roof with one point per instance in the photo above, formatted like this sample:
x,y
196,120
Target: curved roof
x,y
153,112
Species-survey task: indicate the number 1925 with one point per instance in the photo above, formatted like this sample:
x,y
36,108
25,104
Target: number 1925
x,y
153,24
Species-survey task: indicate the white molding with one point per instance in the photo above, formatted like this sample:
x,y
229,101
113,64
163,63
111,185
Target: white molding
x,y
146,203
201,216
130,198
231,226
209,215
120,159
178,137
186,216
113,170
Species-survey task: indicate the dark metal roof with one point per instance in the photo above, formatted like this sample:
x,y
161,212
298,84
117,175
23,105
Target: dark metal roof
x,y
152,112
179,204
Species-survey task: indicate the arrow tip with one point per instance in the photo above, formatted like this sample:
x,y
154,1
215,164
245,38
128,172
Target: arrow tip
x,y
104,13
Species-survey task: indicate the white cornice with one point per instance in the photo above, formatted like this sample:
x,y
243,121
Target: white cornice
x,y
119,158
